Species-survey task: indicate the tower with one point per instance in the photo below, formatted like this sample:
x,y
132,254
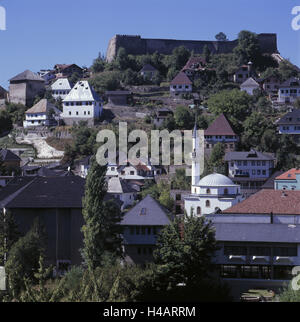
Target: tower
x,y
195,158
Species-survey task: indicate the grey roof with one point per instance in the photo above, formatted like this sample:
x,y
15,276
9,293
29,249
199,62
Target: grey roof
x,y
7,155
117,185
291,118
55,192
250,82
61,84
148,68
82,91
27,75
43,107
279,233
251,155
147,212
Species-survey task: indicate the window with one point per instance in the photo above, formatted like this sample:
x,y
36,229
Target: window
x,y
225,191
250,271
253,172
263,163
207,204
253,163
285,251
258,163
239,162
143,212
258,172
139,251
132,173
264,172
149,230
245,163
137,230
70,113
235,250
143,230
77,113
260,251
131,230
229,271
208,191
198,211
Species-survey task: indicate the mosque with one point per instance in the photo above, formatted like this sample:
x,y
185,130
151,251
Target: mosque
x,y
212,193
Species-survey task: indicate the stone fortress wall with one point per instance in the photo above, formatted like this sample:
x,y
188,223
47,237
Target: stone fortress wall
x,y
136,45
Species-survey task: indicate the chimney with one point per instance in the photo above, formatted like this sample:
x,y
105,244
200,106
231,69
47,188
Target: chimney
x,y
271,218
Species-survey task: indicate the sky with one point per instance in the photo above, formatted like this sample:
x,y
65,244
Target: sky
x,y
40,34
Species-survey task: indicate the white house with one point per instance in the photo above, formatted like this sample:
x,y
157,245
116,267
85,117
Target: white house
x,y
121,190
41,114
289,91
249,86
82,104
61,88
212,193
181,84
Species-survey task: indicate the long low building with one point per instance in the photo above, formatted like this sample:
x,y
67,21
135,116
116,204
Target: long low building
x,y
259,240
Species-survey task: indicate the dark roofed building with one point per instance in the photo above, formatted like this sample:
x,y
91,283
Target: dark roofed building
x,y
220,131
289,91
3,93
57,202
193,66
10,160
148,71
290,124
141,224
24,88
66,70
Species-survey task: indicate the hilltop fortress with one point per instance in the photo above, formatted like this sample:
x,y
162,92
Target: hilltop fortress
x,y
136,45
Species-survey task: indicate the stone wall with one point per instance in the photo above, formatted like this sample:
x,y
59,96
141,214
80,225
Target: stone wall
x,y
136,45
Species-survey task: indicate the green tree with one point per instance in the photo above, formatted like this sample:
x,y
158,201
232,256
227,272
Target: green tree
x,y
206,53
216,160
98,64
287,70
248,48
101,229
235,104
183,117
9,234
180,180
221,36
23,258
122,61
106,81
184,252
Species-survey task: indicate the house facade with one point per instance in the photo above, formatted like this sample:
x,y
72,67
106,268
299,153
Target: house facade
x,y
249,86
61,88
41,114
259,240
148,72
82,104
271,85
24,88
290,124
250,169
141,225
194,66
220,131
242,73
181,84
289,180
67,70
289,91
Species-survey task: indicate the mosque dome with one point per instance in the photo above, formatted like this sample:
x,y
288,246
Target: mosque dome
x,y
215,180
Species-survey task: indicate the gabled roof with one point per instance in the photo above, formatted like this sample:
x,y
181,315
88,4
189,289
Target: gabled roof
x,y
292,82
148,68
117,185
61,84
7,155
55,192
181,79
43,106
250,82
291,118
269,201
65,66
147,212
220,127
27,75
251,155
82,91
288,175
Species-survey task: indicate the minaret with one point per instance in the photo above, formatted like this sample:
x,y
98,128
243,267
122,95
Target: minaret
x,y
195,159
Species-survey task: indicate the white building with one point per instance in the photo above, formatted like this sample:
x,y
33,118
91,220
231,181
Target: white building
x,y
41,114
212,193
121,190
289,91
82,104
181,84
249,86
61,88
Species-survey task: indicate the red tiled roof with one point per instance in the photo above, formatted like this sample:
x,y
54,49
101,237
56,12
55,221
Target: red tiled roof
x,y
181,79
220,127
267,201
289,175
194,61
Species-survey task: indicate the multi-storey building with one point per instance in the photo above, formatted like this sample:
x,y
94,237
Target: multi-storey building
x,y
289,91
61,88
82,104
289,180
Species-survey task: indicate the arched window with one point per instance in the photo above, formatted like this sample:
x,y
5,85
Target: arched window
x,y
225,191
198,211
207,204
208,191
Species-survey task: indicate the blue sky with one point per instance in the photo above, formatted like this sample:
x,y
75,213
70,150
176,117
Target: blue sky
x,y
43,33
